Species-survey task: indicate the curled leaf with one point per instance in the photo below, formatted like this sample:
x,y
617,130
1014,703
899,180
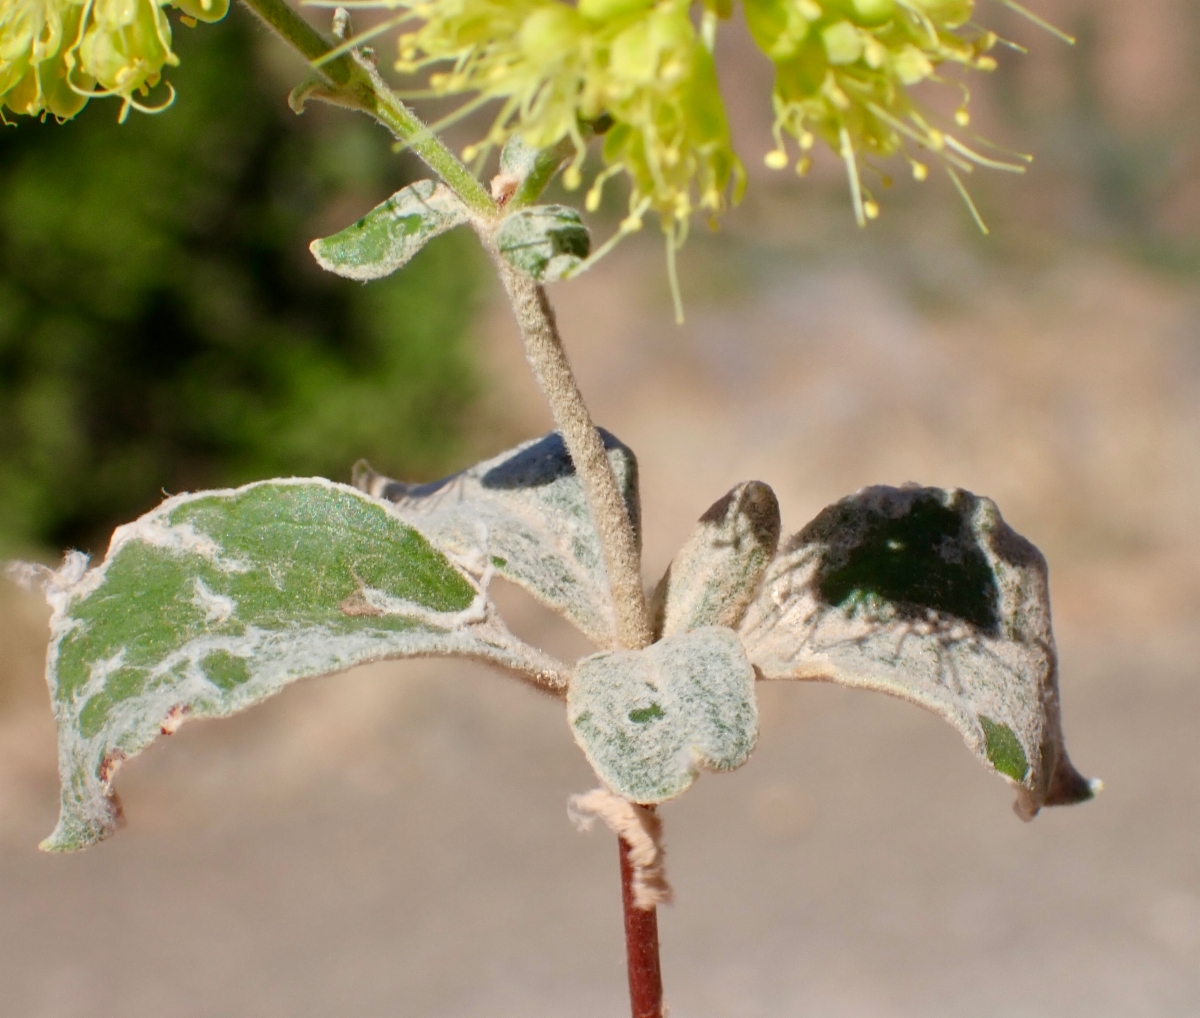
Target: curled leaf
x,y
525,513
713,578
926,594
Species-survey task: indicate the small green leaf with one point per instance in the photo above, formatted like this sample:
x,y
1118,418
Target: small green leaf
x,y
391,233
525,512
926,594
547,242
216,600
648,720
713,578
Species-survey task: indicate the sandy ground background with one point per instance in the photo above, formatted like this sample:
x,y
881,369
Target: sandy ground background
x,y
394,841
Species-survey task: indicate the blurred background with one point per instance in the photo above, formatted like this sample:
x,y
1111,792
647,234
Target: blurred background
x,y
394,841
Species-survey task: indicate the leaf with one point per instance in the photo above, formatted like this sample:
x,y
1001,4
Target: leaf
x,y
648,720
926,594
525,513
216,600
713,578
547,242
391,233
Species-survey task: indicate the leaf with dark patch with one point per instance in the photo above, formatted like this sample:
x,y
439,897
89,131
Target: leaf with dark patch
x,y
926,594
546,242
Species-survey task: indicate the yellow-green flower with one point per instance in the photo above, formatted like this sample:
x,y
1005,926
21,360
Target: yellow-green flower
x,y
636,69
843,71
641,72
57,54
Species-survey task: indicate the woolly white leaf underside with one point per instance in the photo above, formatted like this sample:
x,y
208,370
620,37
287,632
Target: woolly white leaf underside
x,y
524,512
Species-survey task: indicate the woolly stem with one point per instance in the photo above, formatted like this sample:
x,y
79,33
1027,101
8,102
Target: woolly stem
x,y
548,359
348,80
641,948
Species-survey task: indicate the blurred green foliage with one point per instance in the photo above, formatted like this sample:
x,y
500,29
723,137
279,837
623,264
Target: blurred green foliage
x,y
163,326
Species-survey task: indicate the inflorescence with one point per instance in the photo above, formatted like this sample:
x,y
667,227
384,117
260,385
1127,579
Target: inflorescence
x,y
639,73
55,55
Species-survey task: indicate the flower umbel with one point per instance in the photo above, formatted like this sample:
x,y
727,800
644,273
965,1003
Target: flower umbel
x,y
641,72
843,73
57,54
636,71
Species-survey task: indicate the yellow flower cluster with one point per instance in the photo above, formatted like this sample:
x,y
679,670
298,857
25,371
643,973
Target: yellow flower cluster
x,y
843,70
637,71
57,54
642,72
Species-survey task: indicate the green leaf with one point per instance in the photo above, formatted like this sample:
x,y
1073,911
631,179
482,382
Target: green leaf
x,y
391,233
216,600
926,594
713,578
525,512
547,242
648,720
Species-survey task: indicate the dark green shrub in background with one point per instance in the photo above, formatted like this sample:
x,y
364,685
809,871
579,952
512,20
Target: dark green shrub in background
x,y
162,325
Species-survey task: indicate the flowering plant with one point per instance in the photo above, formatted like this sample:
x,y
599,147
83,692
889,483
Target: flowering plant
x,y
216,600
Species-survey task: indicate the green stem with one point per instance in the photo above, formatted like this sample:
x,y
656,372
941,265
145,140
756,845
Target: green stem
x,y
350,82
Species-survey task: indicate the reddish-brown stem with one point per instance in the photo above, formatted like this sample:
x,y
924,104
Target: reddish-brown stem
x,y
641,948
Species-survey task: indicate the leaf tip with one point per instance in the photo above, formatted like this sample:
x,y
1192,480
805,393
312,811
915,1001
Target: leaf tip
x,y
81,827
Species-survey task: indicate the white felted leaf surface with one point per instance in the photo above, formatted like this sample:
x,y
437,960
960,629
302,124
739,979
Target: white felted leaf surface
x,y
648,720
926,594
524,512
216,600
391,233
712,579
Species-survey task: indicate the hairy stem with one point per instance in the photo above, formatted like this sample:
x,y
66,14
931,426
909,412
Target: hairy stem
x,y
548,359
641,948
347,80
